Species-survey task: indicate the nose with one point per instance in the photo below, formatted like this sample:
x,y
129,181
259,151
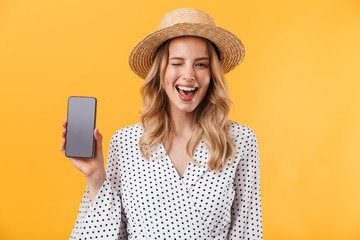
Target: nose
x,y
189,73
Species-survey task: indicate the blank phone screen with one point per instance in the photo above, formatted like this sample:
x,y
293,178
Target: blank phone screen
x,y
80,127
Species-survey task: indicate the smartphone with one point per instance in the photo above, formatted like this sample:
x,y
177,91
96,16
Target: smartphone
x,y
81,117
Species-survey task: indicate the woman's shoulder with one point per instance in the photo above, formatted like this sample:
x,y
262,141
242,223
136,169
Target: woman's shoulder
x,y
237,130
243,137
131,131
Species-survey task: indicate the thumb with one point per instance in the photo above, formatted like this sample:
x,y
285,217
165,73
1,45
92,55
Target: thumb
x,y
98,140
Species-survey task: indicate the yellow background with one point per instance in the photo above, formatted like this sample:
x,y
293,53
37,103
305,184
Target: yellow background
x,y
298,89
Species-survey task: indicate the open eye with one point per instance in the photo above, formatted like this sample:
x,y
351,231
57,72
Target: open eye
x,y
202,65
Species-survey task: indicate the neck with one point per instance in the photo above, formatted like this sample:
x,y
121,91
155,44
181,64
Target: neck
x,y
183,123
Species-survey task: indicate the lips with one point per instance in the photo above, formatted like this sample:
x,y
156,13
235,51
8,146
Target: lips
x,y
186,93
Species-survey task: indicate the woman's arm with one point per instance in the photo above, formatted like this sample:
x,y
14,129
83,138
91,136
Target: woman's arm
x,y
104,218
100,213
246,222
92,168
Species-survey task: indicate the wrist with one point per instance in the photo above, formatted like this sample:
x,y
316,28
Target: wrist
x,y
97,178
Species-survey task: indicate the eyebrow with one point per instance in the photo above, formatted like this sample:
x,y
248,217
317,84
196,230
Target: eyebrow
x,y
197,59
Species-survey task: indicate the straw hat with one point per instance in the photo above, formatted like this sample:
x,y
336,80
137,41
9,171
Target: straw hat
x,y
187,22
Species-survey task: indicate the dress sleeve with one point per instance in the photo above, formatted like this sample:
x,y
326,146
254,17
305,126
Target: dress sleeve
x,y
104,219
246,218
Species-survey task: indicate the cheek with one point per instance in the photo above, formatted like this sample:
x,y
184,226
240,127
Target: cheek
x,y
171,72
169,76
168,79
205,77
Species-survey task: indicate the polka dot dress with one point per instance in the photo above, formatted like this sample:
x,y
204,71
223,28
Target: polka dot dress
x,y
143,199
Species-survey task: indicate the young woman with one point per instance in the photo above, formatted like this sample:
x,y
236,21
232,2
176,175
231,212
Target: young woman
x,y
185,171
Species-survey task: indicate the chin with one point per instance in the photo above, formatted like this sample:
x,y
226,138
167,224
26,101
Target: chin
x,y
186,109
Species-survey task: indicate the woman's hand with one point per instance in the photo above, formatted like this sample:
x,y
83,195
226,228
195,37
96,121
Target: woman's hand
x,y
92,168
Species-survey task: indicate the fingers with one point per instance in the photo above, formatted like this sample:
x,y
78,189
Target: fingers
x,y
98,140
63,135
63,140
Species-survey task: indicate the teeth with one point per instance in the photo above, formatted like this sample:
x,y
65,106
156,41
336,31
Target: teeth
x,y
186,88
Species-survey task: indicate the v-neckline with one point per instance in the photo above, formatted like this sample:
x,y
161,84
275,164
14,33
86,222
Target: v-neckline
x,y
189,164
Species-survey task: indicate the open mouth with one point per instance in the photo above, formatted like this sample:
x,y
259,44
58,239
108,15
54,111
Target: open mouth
x,y
186,91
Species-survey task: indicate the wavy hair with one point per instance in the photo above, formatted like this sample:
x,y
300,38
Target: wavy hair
x,y
211,115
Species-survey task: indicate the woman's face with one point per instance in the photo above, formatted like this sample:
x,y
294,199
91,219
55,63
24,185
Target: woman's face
x,y
187,74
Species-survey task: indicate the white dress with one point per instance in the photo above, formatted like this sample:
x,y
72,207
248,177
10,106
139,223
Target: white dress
x,y
143,199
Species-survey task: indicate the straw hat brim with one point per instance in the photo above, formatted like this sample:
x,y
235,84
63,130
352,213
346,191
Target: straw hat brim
x,y
230,47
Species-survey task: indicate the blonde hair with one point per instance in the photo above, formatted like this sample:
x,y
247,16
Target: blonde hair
x,y
211,116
